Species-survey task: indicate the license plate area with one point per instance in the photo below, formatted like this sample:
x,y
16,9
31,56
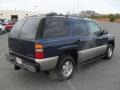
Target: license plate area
x,y
19,60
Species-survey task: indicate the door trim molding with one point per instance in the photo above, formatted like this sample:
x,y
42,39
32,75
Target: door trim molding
x,y
92,52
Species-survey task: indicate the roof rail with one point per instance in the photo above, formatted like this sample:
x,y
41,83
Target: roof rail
x,y
37,15
52,14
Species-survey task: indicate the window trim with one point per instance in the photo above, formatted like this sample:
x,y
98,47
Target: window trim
x,y
40,29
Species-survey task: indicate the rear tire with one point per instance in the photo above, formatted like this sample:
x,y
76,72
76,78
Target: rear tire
x,y
109,52
65,67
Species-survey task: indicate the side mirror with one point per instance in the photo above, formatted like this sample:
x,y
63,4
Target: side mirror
x,y
105,31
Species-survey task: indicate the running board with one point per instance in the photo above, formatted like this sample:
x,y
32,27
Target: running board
x,y
90,60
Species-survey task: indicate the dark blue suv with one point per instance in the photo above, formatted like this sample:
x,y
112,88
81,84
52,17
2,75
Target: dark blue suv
x,y
44,43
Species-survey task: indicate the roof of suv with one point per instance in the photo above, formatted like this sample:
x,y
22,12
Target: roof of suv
x,y
59,16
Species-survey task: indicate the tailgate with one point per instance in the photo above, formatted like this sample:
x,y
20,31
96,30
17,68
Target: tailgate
x,y
22,40
22,48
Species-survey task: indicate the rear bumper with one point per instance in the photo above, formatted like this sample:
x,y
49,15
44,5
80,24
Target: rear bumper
x,y
38,65
30,66
47,63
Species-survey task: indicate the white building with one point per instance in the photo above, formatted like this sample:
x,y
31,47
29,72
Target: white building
x,y
14,14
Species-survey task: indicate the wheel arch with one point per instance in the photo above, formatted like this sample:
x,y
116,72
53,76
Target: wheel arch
x,y
71,52
112,42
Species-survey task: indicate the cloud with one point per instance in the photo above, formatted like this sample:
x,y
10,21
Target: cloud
x,y
62,6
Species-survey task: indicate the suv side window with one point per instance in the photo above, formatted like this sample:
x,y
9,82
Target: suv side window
x,y
94,28
56,27
80,28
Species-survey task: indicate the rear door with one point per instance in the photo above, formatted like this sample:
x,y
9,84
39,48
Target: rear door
x,y
56,35
83,39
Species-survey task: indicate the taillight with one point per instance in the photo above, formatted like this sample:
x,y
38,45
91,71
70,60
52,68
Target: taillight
x,y
39,51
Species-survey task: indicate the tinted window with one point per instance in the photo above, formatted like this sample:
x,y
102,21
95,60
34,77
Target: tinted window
x,y
29,29
94,28
16,29
56,27
80,28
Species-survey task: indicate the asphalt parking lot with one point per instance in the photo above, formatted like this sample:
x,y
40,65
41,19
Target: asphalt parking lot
x,y
100,75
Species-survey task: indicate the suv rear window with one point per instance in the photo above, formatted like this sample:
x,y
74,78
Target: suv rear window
x,y
16,29
29,29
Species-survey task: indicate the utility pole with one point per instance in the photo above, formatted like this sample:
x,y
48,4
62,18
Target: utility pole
x,y
77,7
35,9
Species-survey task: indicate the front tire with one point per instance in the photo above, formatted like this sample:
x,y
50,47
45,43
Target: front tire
x,y
109,52
65,67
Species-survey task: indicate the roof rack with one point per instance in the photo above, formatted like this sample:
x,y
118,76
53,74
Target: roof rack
x,y
37,15
51,14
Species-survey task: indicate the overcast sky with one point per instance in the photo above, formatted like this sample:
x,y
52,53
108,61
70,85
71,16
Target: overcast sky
x,y
62,6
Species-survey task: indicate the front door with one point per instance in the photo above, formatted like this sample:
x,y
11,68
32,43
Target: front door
x,y
100,41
